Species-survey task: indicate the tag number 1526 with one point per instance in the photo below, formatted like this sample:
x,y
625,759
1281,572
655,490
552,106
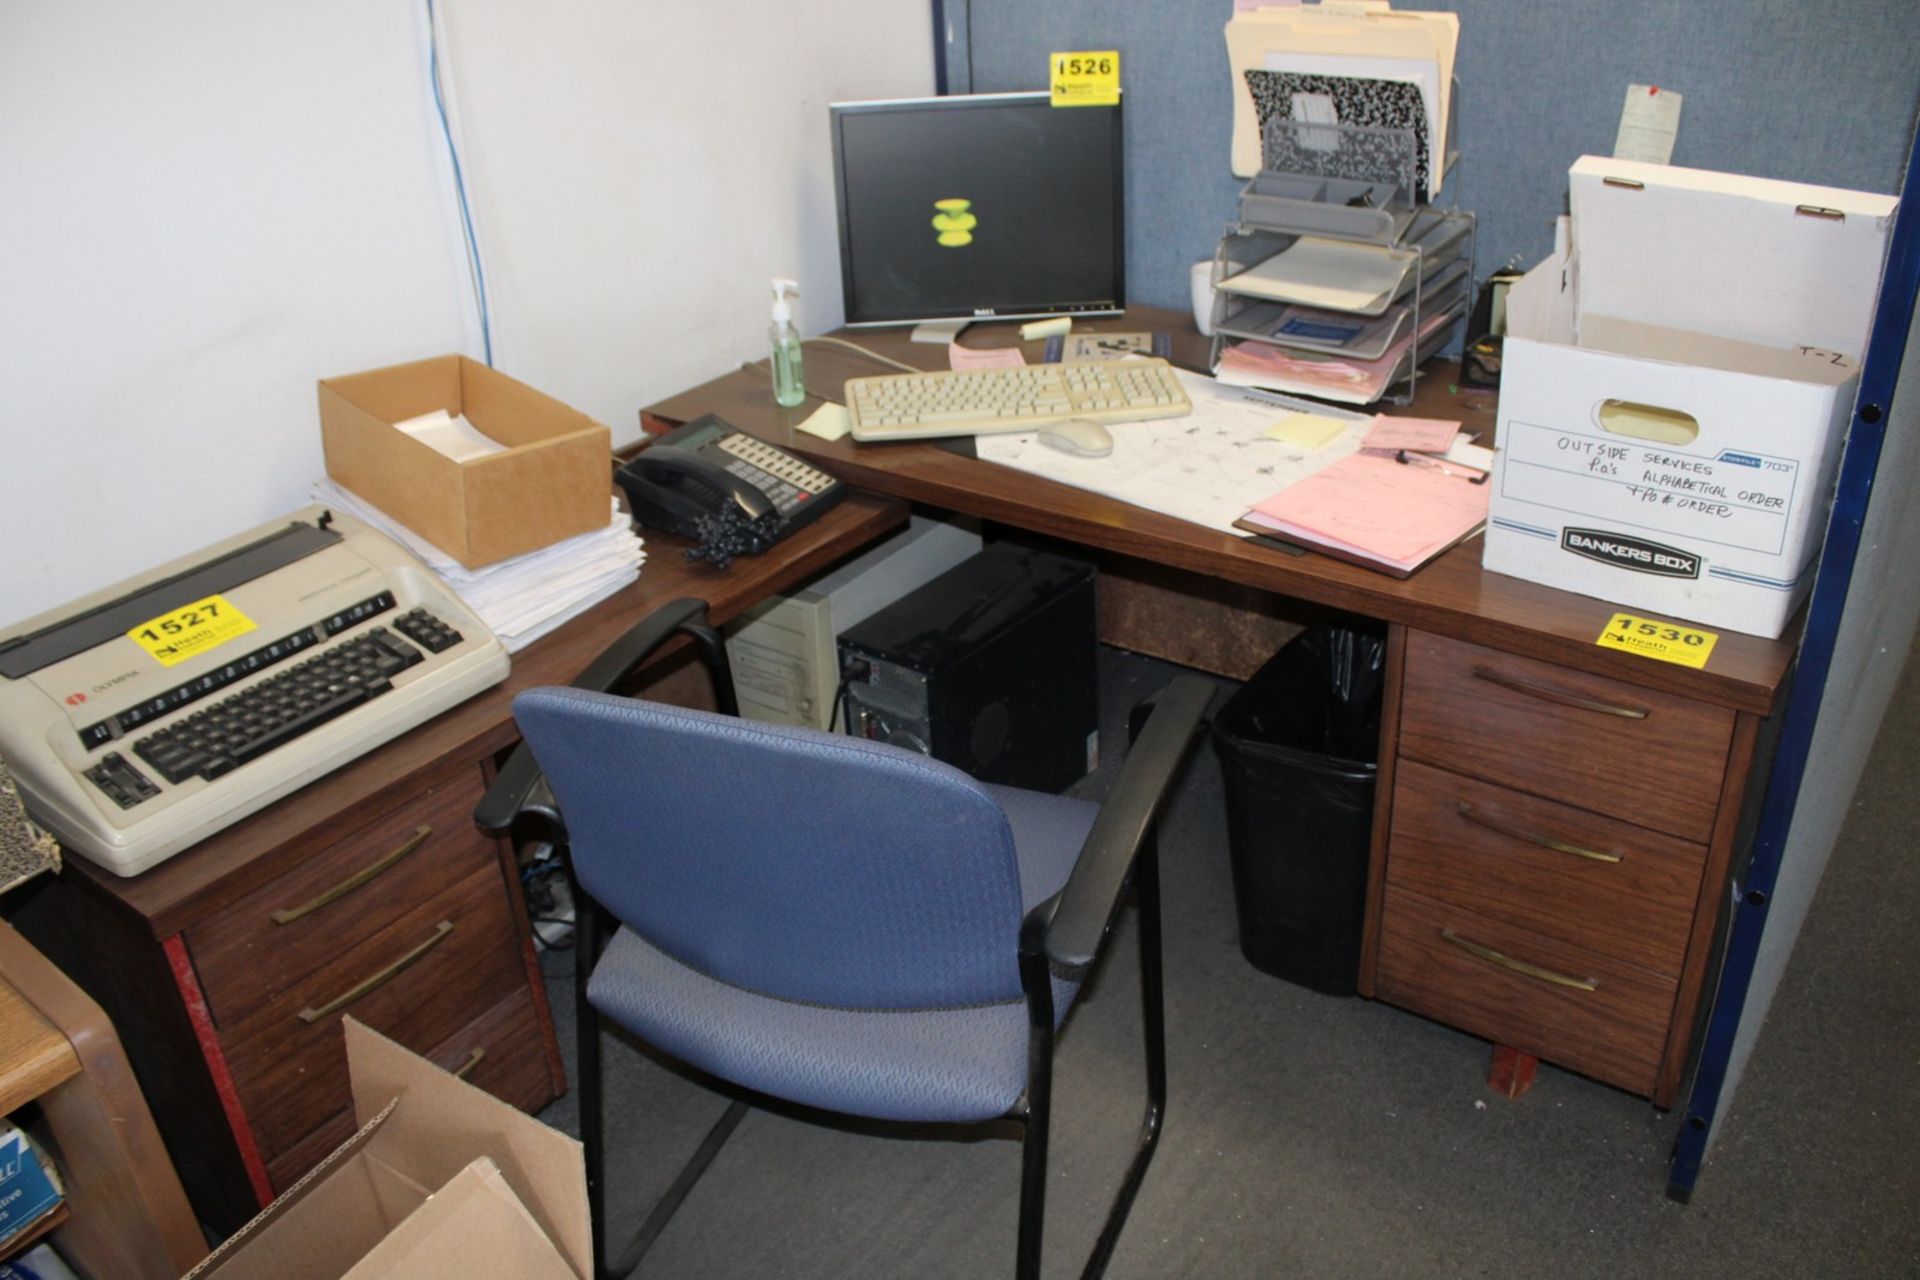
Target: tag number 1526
x,y
1085,66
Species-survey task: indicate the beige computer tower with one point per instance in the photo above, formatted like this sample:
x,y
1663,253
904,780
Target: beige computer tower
x,y
784,651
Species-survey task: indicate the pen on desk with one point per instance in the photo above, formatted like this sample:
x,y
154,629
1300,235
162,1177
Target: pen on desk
x,y
1472,475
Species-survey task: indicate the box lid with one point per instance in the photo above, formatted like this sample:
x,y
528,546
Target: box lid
x,y
443,1123
431,1153
1781,264
471,1228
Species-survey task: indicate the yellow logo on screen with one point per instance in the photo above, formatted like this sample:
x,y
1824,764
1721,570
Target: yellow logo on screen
x,y
954,223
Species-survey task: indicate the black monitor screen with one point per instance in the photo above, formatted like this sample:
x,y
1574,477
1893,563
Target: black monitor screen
x,y
994,205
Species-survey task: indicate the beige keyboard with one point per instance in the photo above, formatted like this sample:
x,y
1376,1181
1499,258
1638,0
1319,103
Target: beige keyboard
x,y
972,402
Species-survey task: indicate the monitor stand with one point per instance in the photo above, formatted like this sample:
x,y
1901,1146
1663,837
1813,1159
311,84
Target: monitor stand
x,y
940,332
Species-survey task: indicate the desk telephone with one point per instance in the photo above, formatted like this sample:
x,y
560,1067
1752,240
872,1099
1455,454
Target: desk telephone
x,y
709,467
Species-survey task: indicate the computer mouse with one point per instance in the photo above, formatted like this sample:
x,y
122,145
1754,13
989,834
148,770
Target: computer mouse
x,y
1078,436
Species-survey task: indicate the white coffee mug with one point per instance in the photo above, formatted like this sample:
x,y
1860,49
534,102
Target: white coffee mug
x,y
1202,280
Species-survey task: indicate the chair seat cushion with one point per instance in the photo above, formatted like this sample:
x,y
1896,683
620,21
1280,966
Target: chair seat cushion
x,y
948,1065
956,1065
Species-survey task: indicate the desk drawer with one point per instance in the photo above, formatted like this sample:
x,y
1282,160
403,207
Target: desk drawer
x,y
1497,981
248,954
419,981
503,1051
1581,739
1492,851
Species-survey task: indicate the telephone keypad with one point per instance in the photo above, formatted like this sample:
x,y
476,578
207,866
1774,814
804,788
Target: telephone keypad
x,y
785,479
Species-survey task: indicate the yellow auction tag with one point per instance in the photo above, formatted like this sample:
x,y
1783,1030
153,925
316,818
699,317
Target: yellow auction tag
x,y
1086,79
191,630
1660,640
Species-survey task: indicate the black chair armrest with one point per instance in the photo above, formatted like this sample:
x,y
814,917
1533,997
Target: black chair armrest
x,y
1084,909
514,785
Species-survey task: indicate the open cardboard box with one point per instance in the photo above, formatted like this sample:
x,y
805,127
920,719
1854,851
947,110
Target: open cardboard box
x,y
441,1180
1676,384
553,480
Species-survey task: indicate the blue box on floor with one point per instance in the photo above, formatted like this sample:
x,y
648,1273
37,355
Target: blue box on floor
x,y
28,1190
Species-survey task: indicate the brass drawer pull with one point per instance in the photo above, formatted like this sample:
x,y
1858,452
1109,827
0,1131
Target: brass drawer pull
x,y
473,1060
386,975
287,915
1555,695
1518,966
1471,814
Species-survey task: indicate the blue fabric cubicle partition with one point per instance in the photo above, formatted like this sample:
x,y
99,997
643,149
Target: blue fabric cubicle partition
x,y
1772,88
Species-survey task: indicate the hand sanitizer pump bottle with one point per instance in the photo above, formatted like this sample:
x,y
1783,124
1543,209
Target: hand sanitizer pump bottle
x,y
789,386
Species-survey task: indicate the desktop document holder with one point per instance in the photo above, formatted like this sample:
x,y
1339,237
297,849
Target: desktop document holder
x,y
1349,182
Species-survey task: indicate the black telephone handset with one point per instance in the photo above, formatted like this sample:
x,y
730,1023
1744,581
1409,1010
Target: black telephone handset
x,y
703,469
670,487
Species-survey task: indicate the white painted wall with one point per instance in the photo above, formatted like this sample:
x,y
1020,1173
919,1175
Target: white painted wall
x,y
207,205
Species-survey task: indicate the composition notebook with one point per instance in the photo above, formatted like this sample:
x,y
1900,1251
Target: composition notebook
x,y
1374,511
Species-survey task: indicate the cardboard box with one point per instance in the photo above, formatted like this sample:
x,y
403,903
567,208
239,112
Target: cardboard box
x,y
442,1180
1676,384
553,481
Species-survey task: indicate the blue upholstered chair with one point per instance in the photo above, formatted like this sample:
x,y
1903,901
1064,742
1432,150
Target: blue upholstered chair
x,y
833,922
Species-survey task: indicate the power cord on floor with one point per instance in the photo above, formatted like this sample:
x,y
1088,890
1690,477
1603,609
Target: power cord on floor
x,y
549,896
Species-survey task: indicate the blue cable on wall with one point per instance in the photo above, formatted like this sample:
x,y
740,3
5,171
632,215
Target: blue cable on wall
x,y
475,272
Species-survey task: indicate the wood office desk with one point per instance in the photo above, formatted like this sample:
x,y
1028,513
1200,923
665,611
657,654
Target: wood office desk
x,y
231,1016
1513,746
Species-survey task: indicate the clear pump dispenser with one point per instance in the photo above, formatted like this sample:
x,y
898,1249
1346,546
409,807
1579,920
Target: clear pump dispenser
x,y
789,384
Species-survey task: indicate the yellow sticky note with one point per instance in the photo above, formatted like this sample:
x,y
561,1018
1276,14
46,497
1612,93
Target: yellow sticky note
x,y
1085,79
191,630
1663,641
1306,430
829,422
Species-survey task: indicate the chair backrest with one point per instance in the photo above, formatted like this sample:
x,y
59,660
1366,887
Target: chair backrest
x,y
809,866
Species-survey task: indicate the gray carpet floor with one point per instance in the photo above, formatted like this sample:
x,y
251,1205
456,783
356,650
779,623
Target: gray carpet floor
x,y
1319,1136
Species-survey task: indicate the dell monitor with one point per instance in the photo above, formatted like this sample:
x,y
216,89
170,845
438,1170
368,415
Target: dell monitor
x,y
978,207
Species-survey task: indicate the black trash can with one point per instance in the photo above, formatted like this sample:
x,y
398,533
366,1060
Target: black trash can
x,y
1298,746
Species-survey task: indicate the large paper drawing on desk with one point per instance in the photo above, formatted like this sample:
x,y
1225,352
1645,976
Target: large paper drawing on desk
x,y
1209,467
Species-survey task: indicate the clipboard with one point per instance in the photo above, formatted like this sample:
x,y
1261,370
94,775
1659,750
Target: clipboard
x,y
1375,512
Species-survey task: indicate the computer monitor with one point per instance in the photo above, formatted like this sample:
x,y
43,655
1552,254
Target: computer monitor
x,y
987,206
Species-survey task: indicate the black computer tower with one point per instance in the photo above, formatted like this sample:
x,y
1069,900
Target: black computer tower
x,y
989,667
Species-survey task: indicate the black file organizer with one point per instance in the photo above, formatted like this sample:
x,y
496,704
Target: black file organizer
x,y
1348,182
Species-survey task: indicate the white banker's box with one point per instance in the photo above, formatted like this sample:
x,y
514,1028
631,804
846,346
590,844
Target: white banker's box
x,y
1675,389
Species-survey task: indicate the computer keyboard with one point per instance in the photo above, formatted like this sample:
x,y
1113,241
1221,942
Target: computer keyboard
x,y
963,402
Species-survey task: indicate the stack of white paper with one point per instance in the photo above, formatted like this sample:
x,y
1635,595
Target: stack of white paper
x,y
451,435
522,598
1318,272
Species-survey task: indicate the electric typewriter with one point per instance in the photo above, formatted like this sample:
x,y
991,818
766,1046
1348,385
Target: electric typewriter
x,y
143,718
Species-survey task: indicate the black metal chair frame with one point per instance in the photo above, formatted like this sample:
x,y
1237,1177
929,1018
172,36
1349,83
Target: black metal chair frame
x,y
1059,937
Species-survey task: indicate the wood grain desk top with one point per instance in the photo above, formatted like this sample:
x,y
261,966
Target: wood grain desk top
x,y
1451,596
239,858
34,1055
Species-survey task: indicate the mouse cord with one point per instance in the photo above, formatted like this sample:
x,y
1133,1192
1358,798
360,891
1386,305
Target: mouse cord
x,y
865,351
760,367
